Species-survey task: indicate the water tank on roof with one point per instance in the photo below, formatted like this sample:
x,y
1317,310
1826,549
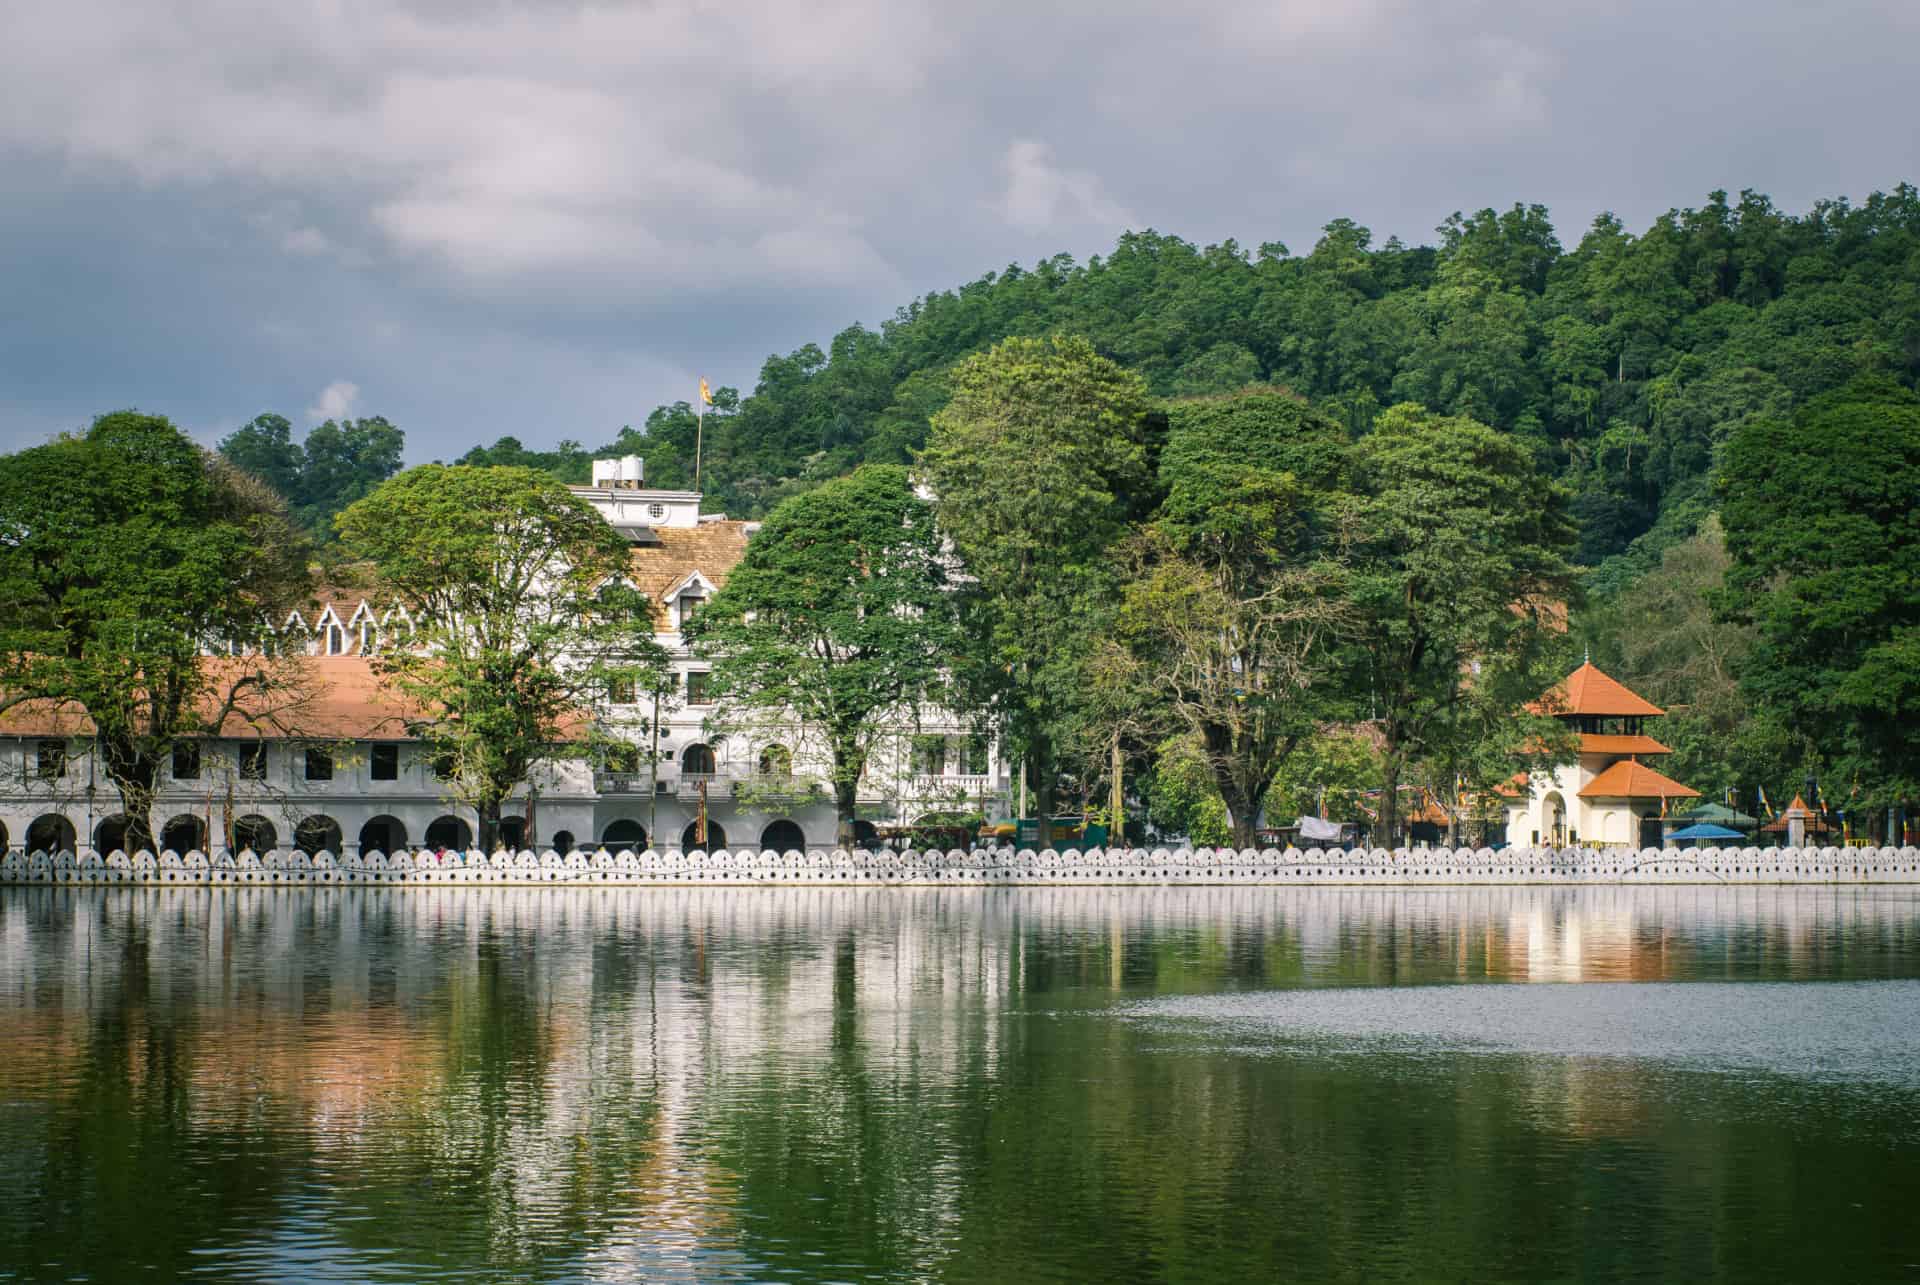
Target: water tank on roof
x,y
630,469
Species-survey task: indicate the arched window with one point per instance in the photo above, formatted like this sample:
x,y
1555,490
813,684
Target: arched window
x,y
317,834
254,833
776,760
563,841
623,834
383,834
50,833
185,833
697,760
118,833
450,832
782,836
716,837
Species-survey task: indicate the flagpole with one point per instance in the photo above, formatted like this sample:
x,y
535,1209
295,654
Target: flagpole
x,y
699,431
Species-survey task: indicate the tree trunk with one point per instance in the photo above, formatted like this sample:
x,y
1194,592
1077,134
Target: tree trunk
x,y
1040,774
1389,798
133,775
489,811
1117,818
846,796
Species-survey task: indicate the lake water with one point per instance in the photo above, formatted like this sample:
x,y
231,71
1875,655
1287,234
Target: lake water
x,y
969,1085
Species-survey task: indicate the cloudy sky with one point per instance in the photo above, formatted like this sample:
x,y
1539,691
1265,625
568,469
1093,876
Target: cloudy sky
x,y
544,218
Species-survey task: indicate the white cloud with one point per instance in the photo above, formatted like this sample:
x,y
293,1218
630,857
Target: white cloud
x,y
336,401
1040,194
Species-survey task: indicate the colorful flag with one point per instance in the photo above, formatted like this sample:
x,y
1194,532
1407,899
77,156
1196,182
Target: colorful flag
x,y
706,394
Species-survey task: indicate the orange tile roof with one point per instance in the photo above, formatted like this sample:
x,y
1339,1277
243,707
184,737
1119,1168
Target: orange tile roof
x,y
711,548
1630,780
1588,691
1607,743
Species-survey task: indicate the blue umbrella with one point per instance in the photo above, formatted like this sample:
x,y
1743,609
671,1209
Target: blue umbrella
x,y
1706,832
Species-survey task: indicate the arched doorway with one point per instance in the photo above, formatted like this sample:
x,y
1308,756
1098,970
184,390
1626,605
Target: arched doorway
x,y
254,833
697,760
776,760
563,841
317,834
716,837
383,834
120,833
864,832
450,832
1553,819
513,833
3,836
50,833
782,836
185,833
624,833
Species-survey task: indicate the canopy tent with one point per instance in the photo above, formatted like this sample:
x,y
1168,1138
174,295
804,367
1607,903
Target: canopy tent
x,y
1718,814
1697,832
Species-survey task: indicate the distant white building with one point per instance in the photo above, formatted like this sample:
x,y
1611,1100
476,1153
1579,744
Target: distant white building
x,y
344,775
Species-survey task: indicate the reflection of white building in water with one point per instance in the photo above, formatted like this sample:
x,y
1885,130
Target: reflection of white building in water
x,y
340,772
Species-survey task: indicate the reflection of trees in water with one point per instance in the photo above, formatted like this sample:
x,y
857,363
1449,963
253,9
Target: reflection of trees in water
x,y
909,1080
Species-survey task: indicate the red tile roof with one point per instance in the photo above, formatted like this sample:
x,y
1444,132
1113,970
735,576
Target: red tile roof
x,y
1588,691
1630,780
1607,743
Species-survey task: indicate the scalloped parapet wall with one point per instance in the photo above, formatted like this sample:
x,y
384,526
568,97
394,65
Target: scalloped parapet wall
x,y
1418,867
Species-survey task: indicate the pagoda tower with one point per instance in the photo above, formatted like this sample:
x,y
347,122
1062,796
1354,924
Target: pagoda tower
x,y
1608,794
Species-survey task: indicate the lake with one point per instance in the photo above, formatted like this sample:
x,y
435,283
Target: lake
x,y
1047,1084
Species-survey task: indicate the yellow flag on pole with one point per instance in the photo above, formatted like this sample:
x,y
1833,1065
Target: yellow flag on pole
x,y
706,394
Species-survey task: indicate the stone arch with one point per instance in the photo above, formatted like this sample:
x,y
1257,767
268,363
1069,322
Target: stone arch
x,y
121,833
563,841
50,833
697,759
865,832
3,836
317,833
184,833
255,832
624,833
1553,820
776,760
782,836
383,834
716,836
449,832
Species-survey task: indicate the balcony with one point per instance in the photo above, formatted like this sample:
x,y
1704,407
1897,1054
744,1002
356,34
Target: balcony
x,y
935,785
623,782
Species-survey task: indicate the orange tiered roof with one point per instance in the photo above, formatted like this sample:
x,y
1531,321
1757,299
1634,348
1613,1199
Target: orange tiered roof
x,y
1588,691
1630,780
1611,743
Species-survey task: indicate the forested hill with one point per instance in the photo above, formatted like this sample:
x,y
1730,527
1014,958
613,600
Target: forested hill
x,y
1624,361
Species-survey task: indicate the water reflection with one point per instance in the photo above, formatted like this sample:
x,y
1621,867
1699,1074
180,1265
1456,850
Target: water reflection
x,y
835,1083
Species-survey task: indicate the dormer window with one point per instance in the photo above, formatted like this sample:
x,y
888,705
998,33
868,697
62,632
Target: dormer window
x,y
690,604
336,640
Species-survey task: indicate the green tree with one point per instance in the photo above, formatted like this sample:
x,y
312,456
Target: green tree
x,y
125,552
1459,578
264,447
1234,602
1038,463
1822,516
527,619
839,617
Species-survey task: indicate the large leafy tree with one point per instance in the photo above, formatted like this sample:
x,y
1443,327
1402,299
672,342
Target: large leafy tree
x,y
126,554
527,619
839,617
1038,463
1234,604
339,462
1458,584
1822,517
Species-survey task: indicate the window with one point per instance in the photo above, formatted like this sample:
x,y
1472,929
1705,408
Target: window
x,y
319,764
443,767
622,760
186,761
52,760
977,756
690,604
386,762
656,510
930,755
697,693
620,691
253,762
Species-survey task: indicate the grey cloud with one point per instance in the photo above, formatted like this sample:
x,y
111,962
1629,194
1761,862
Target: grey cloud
x,y
543,219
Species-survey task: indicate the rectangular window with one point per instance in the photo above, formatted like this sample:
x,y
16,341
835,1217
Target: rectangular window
x,y
253,762
697,693
186,761
689,604
443,767
620,691
930,755
386,762
319,764
52,760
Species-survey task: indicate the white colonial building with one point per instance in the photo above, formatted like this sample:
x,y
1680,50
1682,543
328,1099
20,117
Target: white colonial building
x,y
340,771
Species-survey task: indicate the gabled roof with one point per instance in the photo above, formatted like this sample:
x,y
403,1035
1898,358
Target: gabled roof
x,y
1608,743
1588,691
710,550
1630,780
